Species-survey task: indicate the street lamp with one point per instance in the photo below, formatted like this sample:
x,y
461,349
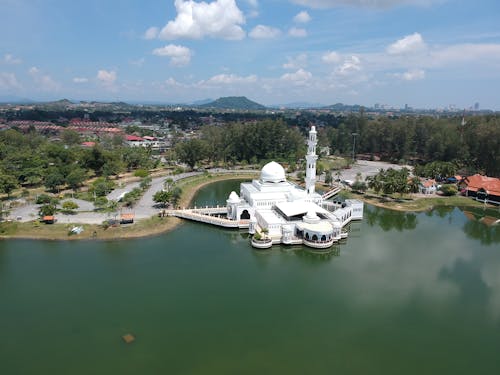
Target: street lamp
x,y
354,146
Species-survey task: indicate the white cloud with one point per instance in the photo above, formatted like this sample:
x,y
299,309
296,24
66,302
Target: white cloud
x,y
44,81
230,79
151,33
264,32
297,62
351,65
8,81
409,44
297,32
218,19
411,75
80,80
139,62
172,82
179,55
253,3
302,17
362,3
106,77
480,53
11,60
300,77
331,57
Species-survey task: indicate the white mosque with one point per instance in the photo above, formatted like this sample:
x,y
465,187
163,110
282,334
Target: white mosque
x,y
279,211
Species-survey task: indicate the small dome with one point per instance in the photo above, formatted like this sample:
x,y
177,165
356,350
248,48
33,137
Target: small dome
x,y
272,172
311,217
233,197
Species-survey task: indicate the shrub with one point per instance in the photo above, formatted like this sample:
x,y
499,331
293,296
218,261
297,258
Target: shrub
x,y
69,206
449,190
141,173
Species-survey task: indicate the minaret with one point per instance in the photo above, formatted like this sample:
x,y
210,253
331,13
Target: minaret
x,y
311,158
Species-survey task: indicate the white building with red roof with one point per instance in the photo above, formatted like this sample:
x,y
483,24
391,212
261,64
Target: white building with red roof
x,y
483,188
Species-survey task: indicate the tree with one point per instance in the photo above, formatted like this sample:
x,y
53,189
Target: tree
x,y
176,195
8,183
376,182
47,210
328,177
76,178
162,197
112,167
102,186
94,159
413,185
53,179
168,184
45,199
191,152
359,186
70,137
100,202
145,182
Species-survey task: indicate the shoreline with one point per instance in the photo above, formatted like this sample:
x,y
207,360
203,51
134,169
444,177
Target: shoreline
x,y
159,225
420,204
140,229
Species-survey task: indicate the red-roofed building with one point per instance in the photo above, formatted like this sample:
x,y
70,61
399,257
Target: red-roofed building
x,y
88,144
483,188
133,138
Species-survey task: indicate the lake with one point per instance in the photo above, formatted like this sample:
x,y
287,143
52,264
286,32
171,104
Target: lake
x,y
405,294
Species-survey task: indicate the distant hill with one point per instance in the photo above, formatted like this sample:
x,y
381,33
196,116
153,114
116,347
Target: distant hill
x,y
234,102
201,102
343,107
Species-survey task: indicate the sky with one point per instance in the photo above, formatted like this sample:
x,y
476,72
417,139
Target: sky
x,y
423,53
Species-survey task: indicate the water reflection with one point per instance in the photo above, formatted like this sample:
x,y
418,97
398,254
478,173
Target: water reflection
x,y
389,220
474,292
482,225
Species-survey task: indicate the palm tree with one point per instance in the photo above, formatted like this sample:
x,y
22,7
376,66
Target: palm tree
x,y
414,184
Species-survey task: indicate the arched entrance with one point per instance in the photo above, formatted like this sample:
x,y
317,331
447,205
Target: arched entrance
x,y
323,238
245,215
315,238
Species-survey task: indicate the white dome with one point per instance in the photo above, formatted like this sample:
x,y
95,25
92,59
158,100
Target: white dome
x,y
233,197
272,172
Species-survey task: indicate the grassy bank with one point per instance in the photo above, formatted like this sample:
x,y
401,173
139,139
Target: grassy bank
x,y
416,204
141,228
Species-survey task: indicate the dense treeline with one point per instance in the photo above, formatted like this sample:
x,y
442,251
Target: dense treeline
x,y
474,146
250,142
31,160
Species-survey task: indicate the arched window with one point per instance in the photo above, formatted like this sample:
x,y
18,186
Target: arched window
x,y
245,215
314,237
323,238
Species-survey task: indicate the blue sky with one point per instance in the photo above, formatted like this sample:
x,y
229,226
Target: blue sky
x,y
424,53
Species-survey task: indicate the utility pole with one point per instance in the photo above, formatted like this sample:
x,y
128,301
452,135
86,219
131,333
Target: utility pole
x,y
354,146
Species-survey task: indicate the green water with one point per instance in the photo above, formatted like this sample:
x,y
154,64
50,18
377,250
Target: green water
x,y
406,294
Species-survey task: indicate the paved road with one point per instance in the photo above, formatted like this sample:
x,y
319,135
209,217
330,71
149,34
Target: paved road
x,y
366,168
85,214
